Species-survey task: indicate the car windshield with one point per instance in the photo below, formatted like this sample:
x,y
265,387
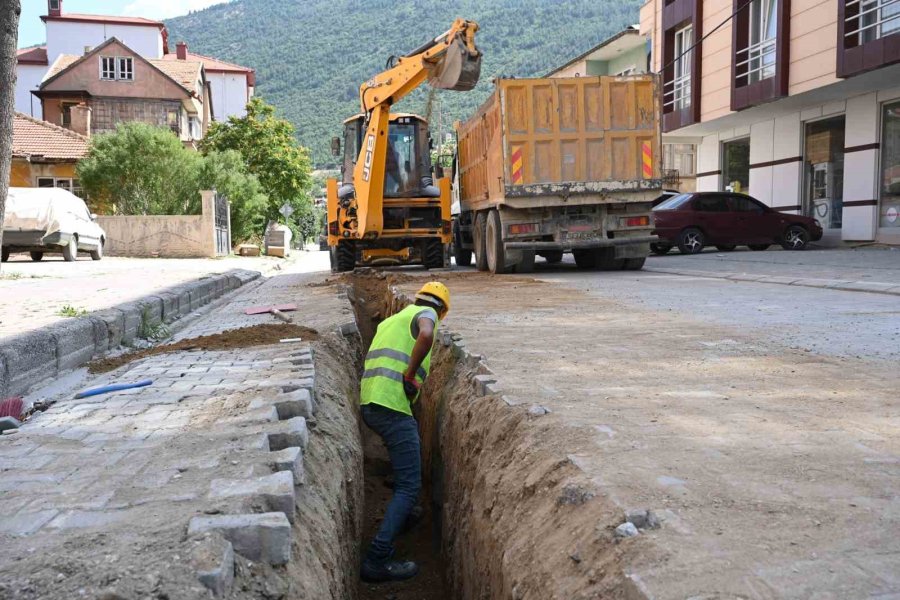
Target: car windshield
x,y
674,202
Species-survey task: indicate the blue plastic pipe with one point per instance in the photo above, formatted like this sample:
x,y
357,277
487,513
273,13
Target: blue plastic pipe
x,y
112,388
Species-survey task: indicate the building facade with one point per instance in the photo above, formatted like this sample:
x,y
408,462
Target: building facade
x,y
627,53
44,155
72,34
796,102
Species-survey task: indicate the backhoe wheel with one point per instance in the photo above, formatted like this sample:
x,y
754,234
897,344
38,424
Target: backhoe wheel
x,y
553,256
433,254
493,242
463,256
478,234
345,256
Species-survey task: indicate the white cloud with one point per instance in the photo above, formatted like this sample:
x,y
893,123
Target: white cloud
x,y
165,9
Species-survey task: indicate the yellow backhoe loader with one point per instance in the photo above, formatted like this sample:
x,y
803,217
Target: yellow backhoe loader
x,y
386,209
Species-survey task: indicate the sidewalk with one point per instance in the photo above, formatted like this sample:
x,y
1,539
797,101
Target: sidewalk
x,y
862,270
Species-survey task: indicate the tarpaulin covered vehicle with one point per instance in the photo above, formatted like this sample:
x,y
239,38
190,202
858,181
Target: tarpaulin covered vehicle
x,y
40,220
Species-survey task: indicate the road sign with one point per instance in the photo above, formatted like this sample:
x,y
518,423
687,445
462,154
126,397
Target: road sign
x,y
286,209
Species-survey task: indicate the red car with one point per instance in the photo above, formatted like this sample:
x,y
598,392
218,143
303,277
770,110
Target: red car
x,y
727,220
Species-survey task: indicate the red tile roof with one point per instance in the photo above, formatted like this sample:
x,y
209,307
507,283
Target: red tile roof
x,y
185,72
35,138
104,19
211,64
62,62
32,56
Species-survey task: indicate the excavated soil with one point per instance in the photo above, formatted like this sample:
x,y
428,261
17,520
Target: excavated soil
x,y
245,337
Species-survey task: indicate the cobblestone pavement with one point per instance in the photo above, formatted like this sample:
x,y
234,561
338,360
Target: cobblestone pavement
x,y
32,294
94,484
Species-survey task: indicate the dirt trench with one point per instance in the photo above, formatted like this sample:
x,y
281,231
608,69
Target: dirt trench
x,y
507,513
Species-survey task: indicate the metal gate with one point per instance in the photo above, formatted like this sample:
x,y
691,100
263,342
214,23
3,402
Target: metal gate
x,y
223,229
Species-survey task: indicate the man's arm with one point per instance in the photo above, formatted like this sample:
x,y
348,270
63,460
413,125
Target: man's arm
x,y
424,342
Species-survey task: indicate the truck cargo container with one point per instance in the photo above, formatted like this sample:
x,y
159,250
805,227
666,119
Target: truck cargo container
x,y
553,166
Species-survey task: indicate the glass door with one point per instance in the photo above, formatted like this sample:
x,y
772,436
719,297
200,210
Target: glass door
x,y
736,166
823,164
889,180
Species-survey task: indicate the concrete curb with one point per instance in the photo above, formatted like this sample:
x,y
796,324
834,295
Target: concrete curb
x,y
35,357
873,287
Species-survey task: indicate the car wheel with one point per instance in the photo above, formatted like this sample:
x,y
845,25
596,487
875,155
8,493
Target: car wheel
x,y
660,249
36,256
553,256
70,250
478,239
726,248
4,255
493,244
634,264
759,247
691,241
795,237
98,253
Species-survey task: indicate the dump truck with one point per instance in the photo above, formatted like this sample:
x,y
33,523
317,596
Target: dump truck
x,y
547,167
387,208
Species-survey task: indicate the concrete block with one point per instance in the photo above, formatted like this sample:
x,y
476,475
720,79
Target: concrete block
x,y
264,537
170,306
184,300
261,414
287,434
275,491
151,308
288,405
131,313
4,377
74,342
30,359
480,383
213,559
114,321
291,461
233,281
349,329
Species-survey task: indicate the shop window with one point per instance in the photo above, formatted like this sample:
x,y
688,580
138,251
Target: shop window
x,y
736,165
890,166
823,162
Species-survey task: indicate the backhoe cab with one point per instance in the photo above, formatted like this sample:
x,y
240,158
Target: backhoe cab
x,y
387,207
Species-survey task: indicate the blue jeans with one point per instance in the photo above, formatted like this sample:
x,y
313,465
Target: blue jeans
x,y
400,434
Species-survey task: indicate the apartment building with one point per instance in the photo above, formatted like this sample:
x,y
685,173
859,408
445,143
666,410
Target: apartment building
x,y
796,102
627,53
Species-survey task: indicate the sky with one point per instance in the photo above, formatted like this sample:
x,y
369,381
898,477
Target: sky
x,y
31,28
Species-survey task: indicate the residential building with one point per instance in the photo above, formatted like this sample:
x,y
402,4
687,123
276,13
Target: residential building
x,y
627,53
796,102
45,155
117,85
71,34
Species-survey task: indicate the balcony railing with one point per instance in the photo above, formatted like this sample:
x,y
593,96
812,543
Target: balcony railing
x,y
679,92
757,61
871,20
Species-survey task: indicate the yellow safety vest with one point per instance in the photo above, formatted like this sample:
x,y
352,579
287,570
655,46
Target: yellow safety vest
x,y
388,359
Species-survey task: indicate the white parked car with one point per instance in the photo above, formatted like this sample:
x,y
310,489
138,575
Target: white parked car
x,y
40,220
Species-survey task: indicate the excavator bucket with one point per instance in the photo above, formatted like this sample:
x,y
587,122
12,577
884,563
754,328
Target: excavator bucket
x,y
458,69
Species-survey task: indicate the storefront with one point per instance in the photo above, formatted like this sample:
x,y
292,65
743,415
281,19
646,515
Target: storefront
x,y
889,200
823,171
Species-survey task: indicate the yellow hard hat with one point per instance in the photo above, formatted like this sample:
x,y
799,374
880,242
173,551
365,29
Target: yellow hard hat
x,y
435,289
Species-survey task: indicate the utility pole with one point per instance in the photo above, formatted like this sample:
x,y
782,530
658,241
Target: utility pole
x,y
9,39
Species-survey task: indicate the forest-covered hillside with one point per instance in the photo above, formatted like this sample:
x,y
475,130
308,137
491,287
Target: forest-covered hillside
x,y
311,55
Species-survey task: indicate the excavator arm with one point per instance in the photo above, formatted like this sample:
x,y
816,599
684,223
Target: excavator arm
x,y
450,61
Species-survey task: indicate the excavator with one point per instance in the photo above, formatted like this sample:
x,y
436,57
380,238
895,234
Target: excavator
x,y
387,208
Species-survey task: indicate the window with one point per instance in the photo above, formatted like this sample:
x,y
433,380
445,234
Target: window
x,y
46,182
711,204
736,165
757,61
744,204
65,109
679,157
674,202
194,128
401,167
679,92
117,68
66,183
890,166
172,121
876,19
107,67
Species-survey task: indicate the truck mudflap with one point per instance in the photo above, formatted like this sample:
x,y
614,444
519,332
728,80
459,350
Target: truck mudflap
x,y
568,246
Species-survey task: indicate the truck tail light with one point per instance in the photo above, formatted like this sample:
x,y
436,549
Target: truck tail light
x,y
333,228
521,228
446,227
643,221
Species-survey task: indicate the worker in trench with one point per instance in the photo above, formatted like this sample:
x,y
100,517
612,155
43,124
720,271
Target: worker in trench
x,y
397,364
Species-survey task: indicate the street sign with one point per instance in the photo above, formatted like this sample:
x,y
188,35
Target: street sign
x,y
286,209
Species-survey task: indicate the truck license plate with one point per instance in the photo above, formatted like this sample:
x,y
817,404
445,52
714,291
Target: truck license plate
x,y
581,235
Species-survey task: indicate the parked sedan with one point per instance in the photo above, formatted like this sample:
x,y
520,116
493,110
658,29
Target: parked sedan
x,y
727,220
40,220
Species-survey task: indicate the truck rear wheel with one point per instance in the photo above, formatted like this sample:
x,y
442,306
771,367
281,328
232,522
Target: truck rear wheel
x,y
478,234
607,261
586,259
493,242
433,254
462,255
345,256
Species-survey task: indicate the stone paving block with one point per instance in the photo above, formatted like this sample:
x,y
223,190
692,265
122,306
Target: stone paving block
x,y
82,519
262,537
288,405
480,383
275,491
26,523
291,460
213,559
287,434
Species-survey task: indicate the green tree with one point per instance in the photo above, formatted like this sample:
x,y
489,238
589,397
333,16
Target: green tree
x,y
271,153
141,170
225,172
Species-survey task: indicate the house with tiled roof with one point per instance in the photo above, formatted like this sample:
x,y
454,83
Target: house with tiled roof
x,y
74,35
115,84
45,155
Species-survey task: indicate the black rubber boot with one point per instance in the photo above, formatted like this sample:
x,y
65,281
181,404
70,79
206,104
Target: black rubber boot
x,y
390,570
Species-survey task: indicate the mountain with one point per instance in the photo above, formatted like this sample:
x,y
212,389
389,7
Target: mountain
x,y
311,55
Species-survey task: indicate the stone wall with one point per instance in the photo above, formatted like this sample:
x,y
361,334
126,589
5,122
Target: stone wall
x,y
164,236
